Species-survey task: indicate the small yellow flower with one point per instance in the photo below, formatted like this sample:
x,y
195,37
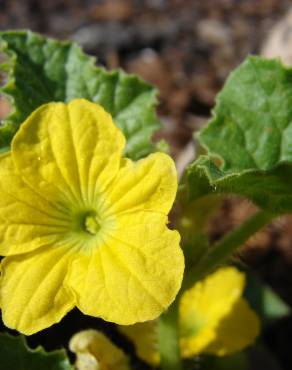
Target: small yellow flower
x,y
213,318
145,338
94,351
82,226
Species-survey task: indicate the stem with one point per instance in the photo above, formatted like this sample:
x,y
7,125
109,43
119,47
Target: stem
x,y
168,334
226,246
168,322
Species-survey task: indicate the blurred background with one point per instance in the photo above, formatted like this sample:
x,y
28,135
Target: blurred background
x,y
187,49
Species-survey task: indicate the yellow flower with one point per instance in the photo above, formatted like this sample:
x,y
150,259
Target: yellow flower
x,y
82,226
213,318
145,338
94,351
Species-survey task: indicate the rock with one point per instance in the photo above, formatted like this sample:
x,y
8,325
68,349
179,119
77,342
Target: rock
x,y
213,32
279,41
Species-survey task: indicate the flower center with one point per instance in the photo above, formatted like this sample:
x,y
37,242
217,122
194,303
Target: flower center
x,y
91,224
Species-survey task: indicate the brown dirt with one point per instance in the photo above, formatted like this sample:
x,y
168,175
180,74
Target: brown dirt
x,y
187,49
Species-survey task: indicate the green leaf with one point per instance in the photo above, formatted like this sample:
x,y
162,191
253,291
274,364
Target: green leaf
x,y
249,139
264,300
16,355
194,248
41,70
271,190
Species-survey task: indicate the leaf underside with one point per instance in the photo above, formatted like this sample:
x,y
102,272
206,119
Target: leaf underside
x,y
249,139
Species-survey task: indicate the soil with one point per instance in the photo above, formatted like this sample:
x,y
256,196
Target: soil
x,y
187,49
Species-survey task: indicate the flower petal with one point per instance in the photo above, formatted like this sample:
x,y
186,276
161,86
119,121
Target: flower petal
x,y
27,219
148,184
131,277
205,305
95,351
32,293
145,338
232,333
236,331
70,148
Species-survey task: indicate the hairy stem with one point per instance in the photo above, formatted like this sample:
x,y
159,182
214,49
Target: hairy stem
x,y
168,334
226,246
168,322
